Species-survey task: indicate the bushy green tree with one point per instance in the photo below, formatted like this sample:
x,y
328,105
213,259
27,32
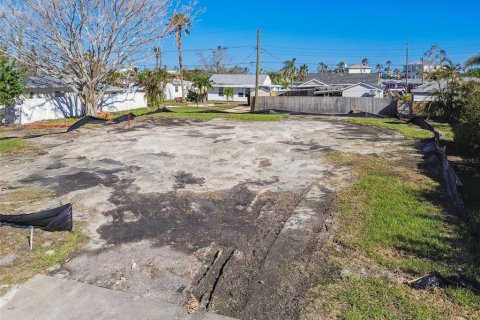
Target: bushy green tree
x,y
194,96
228,92
11,82
154,83
203,84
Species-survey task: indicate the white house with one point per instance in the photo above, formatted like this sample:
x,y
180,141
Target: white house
x,y
359,68
362,90
316,87
242,84
47,98
173,89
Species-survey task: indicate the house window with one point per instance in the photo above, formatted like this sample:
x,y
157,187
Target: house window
x,y
220,92
176,89
240,93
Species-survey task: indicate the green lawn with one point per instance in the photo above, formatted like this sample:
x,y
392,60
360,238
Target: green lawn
x,y
12,145
409,131
187,112
391,217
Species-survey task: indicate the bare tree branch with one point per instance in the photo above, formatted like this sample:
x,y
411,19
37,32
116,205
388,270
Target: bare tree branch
x,y
83,42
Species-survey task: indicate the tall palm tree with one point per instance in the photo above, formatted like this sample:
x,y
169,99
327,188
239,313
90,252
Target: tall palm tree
x,y
302,72
473,61
340,67
388,68
289,70
203,84
178,24
364,63
379,67
322,68
396,73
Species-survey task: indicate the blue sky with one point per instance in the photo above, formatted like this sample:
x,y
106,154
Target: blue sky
x,y
330,31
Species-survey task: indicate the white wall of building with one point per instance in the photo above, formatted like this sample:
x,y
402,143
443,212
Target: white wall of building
x,y
239,94
40,109
423,97
174,90
361,91
358,70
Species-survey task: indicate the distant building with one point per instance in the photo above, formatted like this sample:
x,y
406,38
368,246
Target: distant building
x,y
242,84
336,88
359,68
417,69
173,89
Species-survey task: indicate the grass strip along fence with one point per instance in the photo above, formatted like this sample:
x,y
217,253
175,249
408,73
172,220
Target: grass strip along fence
x,y
452,181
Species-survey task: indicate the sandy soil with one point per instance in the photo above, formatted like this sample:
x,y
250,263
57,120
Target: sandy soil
x,y
232,212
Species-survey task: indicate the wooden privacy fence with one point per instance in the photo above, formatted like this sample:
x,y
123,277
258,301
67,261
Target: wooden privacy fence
x,y
327,105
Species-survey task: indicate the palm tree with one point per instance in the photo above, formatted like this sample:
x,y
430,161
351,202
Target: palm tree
x,y
289,70
178,24
228,92
203,84
322,68
364,63
379,67
388,68
473,61
340,67
396,73
302,72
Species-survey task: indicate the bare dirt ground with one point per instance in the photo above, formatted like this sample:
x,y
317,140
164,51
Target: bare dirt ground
x,y
235,213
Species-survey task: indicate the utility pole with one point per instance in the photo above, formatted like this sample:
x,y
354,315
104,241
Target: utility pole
x,y
406,89
158,57
423,71
257,77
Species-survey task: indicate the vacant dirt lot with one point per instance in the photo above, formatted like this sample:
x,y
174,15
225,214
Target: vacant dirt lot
x,y
231,212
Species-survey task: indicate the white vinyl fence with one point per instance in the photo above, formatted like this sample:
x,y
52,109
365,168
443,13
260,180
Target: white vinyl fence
x,y
39,109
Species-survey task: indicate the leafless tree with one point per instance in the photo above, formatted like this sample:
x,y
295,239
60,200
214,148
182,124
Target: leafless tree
x,y
83,42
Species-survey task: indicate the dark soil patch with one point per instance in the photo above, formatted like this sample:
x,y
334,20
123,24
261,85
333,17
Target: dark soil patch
x,y
182,178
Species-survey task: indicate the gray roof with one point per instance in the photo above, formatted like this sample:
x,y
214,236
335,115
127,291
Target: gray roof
x,y
337,78
237,79
48,82
36,82
433,86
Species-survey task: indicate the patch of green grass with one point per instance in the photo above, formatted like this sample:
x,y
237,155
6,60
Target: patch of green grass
x,y
409,131
204,116
49,248
14,145
392,216
448,132
373,298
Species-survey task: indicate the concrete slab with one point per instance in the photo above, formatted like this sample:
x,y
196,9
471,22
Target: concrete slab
x,y
47,298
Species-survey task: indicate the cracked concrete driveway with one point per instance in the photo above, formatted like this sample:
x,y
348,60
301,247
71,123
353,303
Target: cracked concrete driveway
x,y
231,212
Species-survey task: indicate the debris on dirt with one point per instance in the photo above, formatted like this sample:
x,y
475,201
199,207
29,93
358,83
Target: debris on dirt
x,y
192,304
58,219
104,115
124,118
182,178
7,260
264,163
84,121
435,280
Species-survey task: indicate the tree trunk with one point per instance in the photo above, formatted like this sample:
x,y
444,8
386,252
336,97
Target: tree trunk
x,y
89,98
180,60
